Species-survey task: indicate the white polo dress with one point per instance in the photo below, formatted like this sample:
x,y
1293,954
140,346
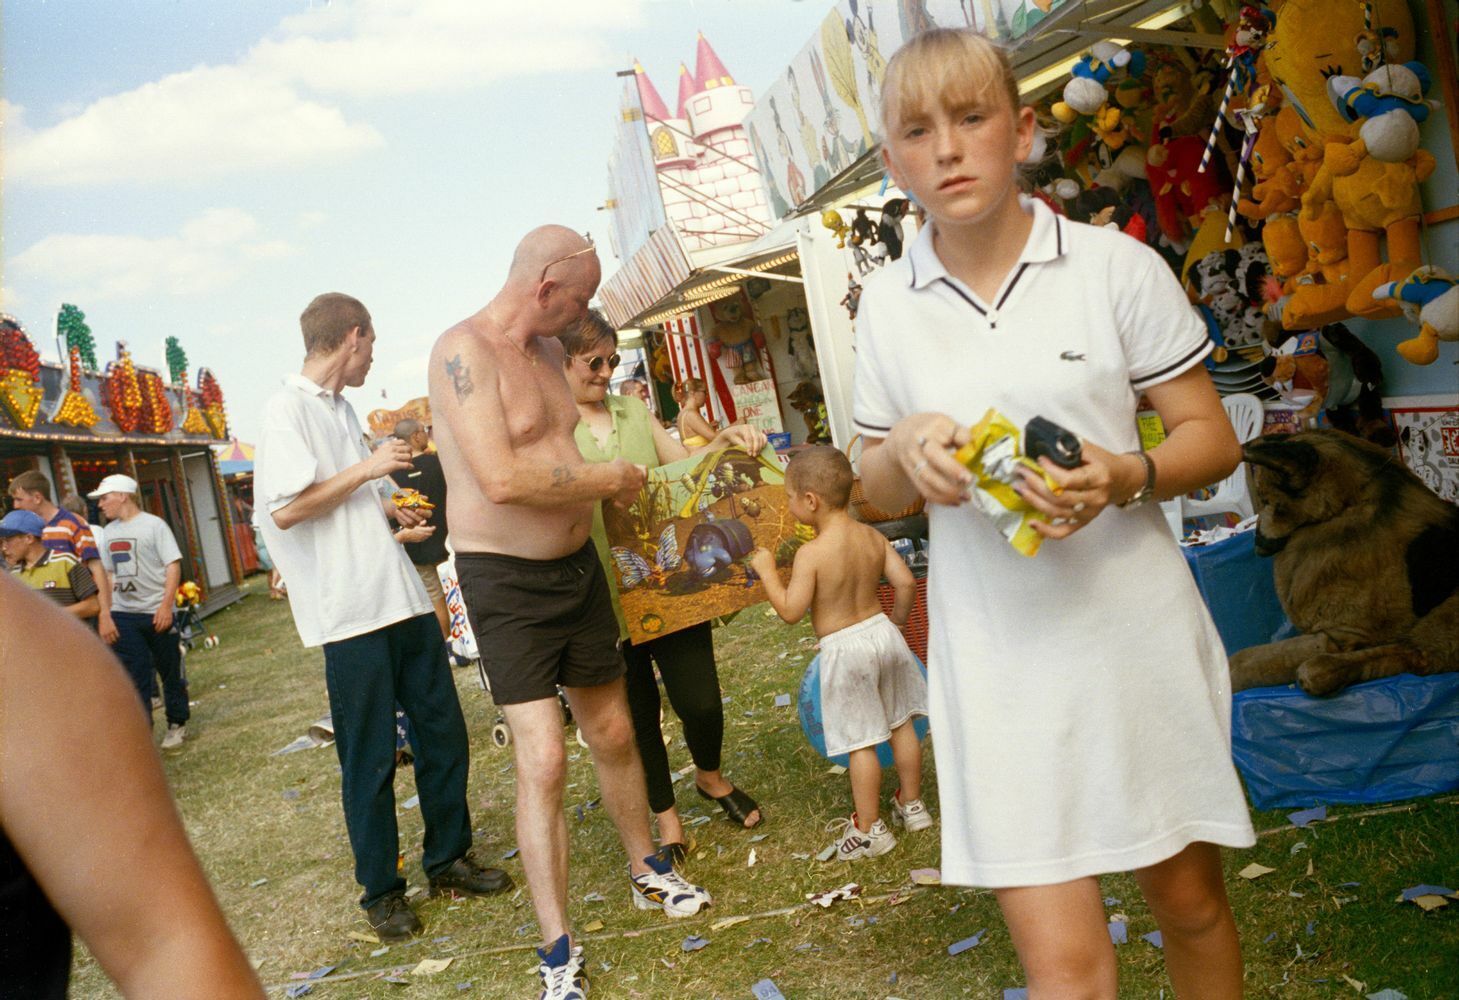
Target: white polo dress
x,y
1080,699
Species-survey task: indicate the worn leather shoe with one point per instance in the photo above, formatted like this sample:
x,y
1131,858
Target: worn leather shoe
x,y
393,920
467,878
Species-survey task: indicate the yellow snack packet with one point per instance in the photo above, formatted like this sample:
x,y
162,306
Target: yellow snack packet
x,y
994,456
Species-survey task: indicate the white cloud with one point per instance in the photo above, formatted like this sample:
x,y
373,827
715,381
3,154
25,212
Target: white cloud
x,y
209,252
204,122
311,220
254,115
9,301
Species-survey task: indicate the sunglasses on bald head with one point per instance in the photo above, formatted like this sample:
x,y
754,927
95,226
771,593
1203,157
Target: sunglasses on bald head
x,y
597,361
576,253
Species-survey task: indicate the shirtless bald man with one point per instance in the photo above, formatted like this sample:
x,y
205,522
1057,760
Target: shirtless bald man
x,y
521,509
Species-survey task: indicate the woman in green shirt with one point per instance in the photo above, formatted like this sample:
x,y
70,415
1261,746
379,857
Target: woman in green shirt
x,y
614,426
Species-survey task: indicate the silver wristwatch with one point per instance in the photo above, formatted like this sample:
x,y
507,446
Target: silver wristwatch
x,y
1144,493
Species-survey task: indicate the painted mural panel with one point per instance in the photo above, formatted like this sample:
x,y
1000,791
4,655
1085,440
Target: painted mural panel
x,y
822,113
680,550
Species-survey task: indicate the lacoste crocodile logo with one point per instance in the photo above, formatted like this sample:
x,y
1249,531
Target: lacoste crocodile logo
x,y
1071,356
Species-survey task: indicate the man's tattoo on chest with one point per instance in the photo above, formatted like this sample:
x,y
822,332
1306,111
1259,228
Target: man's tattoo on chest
x,y
562,475
460,378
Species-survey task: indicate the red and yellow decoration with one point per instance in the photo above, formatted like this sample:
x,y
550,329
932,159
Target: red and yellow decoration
x,y
156,410
20,369
75,409
122,392
213,411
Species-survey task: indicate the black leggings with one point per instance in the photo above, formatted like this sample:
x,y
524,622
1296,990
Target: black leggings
x,y
686,662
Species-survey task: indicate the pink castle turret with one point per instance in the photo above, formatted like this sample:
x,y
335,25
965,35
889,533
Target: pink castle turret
x,y
709,71
710,186
653,105
688,87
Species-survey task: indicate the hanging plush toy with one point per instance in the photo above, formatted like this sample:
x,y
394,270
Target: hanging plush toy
x,y
1086,92
1277,188
1378,199
1387,105
832,220
863,230
1430,298
1183,192
889,230
735,328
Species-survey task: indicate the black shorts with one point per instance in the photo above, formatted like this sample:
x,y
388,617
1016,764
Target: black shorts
x,y
540,623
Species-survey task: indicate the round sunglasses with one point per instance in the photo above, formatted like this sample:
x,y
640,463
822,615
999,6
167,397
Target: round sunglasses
x,y
597,361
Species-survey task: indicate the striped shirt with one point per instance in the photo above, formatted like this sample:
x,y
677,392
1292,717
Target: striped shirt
x,y
60,576
69,534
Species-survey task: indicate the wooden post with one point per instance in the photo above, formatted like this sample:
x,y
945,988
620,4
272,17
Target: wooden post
x,y
189,518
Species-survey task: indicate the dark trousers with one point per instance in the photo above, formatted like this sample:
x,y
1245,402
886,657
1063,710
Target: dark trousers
x,y
366,676
686,663
142,649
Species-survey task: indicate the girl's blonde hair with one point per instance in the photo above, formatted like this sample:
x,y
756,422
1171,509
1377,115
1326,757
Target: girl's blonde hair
x,y
951,67
682,390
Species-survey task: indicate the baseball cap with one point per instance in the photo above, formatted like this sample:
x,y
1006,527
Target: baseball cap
x,y
22,522
116,483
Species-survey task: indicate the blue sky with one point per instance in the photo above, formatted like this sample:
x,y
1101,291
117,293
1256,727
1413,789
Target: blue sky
x,y
202,169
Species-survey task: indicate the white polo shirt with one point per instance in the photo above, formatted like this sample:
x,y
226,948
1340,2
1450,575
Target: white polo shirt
x,y
1080,698
345,572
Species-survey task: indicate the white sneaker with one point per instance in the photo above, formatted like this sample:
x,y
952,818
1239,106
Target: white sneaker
x,y
852,844
662,888
174,737
561,972
914,815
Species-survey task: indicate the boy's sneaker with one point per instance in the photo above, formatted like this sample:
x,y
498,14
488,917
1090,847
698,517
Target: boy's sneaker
x,y
174,737
662,888
914,815
852,844
562,972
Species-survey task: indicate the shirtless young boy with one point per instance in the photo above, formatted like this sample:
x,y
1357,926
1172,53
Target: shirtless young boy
x,y
871,684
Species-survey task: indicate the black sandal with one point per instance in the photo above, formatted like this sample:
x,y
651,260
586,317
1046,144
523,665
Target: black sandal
x,y
737,806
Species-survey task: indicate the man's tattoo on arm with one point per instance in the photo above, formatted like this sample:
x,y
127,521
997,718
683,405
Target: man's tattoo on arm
x,y
460,378
562,475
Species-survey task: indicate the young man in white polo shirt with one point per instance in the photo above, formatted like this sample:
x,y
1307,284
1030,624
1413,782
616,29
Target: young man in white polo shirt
x,y
323,502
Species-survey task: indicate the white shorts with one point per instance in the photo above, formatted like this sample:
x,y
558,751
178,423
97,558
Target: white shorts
x,y
870,685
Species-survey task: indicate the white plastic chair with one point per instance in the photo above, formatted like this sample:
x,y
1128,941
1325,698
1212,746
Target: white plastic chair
x,y
1232,494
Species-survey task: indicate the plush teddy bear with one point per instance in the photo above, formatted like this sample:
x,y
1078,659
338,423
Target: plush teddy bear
x,y
1277,188
1429,297
735,328
1086,92
1316,294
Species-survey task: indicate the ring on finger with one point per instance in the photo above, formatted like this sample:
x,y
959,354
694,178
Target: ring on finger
x,y
917,469
1078,506
922,441
1060,521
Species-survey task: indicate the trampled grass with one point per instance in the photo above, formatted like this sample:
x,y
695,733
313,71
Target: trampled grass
x,y
271,835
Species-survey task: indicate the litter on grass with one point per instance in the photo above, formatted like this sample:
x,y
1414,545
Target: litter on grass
x,y
720,925
1015,993
751,862
1388,994
766,989
1255,871
592,926
1155,938
431,966
958,947
362,937
1119,932
694,942
1306,817
411,802
510,854
824,899
782,701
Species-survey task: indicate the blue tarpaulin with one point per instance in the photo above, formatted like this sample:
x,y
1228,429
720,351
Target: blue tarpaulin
x,y
1381,741
1237,586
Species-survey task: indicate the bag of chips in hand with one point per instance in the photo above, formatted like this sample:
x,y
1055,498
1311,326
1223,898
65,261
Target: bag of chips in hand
x,y
994,456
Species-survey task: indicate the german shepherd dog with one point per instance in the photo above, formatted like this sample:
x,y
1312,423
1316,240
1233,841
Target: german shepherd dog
x,y
1366,564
